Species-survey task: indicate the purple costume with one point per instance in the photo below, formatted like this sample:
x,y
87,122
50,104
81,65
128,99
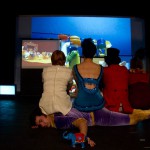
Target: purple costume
x,y
102,117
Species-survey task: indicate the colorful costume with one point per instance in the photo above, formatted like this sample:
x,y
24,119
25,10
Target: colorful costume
x,y
54,97
102,117
115,91
88,99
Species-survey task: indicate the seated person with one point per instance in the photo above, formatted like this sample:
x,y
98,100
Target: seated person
x,y
88,76
115,83
57,80
136,63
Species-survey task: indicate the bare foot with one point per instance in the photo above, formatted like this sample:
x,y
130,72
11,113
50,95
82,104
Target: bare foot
x,y
139,115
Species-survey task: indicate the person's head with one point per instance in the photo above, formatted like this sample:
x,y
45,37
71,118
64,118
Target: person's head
x,y
38,119
88,48
112,56
140,53
58,58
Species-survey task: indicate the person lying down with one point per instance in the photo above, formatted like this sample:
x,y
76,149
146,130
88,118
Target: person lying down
x,y
81,120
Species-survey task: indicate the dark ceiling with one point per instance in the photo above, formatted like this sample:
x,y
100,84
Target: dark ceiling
x,y
82,7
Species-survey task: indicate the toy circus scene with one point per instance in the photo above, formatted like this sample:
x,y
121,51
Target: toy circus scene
x,y
38,52
66,33
71,46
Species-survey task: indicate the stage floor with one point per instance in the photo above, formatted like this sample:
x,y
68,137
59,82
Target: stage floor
x,y
16,134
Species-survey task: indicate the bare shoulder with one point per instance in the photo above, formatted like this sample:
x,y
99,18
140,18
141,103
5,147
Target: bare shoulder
x,y
98,66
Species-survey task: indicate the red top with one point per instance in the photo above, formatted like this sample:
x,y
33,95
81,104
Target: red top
x,y
115,91
138,77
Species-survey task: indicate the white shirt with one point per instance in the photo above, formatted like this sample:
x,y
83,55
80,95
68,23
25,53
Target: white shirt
x,y
54,97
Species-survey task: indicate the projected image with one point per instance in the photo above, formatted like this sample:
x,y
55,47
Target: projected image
x,y
97,60
105,31
37,53
125,60
72,48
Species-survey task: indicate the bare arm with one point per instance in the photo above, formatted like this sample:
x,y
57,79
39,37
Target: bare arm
x,y
82,125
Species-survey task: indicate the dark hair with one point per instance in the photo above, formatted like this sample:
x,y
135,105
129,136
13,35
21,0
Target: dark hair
x,y
36,112
88,48
140,53
112,56
58,58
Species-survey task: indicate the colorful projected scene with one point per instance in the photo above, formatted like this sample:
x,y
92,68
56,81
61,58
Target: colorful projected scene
x,y
71,46
37,53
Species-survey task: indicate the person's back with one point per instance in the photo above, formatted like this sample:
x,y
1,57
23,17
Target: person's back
x,y
136,63
55,80
115,80
88,77
89,69
115,91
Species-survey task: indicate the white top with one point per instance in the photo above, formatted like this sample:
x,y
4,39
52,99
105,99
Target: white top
x,y
54,97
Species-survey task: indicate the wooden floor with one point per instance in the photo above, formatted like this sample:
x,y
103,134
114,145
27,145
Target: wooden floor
x,y
16,134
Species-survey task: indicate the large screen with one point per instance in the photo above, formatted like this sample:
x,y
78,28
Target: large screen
x,y
37,53
105,31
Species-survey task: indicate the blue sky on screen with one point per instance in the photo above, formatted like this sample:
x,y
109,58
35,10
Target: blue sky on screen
x,y
116,30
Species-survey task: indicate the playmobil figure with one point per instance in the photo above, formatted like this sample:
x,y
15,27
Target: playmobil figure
x,y
73,56
76,138
102,46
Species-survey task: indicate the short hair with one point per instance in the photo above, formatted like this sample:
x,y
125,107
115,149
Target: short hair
x,y
58,58
112,56
36,112
140,53
88,48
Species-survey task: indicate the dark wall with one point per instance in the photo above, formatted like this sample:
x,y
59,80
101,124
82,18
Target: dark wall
x,y
31,82
7,48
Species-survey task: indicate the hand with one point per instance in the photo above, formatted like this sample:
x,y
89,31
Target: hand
x,y
91,142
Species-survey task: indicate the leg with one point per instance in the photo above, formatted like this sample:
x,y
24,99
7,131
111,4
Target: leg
x,y
139,115
104,117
